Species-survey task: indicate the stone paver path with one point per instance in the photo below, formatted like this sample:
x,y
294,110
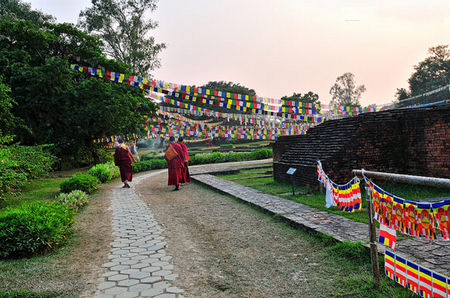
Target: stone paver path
x,y
138,264
433,254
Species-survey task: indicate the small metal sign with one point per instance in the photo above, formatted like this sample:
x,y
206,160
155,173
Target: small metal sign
x,y
291,171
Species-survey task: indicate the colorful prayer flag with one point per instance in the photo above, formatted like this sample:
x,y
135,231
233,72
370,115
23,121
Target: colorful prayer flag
x,y
388,236
389,264
412,276
400,270
425,282
439,285
441,211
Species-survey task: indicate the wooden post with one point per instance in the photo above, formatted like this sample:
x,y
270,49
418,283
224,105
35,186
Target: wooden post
x,y
373,241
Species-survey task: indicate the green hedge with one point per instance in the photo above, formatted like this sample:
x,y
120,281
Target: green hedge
x,y
84,182
205,158
33,229
147,165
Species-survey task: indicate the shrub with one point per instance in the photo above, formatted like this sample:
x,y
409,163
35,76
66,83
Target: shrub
x,y
158,164
113,169
74,200
147,165
262,153
84,182
102,172
18,164
33,229
226,145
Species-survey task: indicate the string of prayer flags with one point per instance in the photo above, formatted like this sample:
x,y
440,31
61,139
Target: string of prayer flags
x,y
416,278
409,217
346,197
388,236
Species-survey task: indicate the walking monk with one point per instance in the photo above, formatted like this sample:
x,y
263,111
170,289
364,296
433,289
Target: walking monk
x,y
174,159
186,176
123,159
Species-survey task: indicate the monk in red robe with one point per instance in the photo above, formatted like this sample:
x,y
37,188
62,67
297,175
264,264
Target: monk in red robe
x,y
123,159
175,163
186,177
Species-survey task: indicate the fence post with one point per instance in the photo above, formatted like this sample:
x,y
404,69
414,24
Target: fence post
x,y
373,241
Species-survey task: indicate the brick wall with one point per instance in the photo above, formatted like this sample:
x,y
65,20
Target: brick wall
x,y
405,141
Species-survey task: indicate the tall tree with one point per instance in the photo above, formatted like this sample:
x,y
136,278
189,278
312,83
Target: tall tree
x,y
16,10
401,94
432,73
229,87
345,92
66,108
123,28
7,120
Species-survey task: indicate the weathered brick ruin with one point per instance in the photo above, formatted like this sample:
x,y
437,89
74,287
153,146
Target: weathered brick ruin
x,y
403,141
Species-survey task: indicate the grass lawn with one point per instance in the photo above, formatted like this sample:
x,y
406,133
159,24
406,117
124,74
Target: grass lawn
x,y
37,190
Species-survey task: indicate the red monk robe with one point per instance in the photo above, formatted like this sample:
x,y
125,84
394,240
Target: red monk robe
x,y
123,160
175,166
186,177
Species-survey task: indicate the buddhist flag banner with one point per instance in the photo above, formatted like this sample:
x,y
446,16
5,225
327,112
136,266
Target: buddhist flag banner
x,y
388,236
425,282
439,286
416,278
425,221
389,264
347,197
409,217
441,211
400,270
412,276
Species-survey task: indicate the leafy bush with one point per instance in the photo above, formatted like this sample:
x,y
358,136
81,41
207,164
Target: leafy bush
x,y
158,164
102,172
147,165
113,169
33,229
226,145
18,164
74,200
262,153
84,182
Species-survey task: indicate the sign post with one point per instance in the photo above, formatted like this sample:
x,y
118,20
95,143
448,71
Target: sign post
x,y
373,241
291,172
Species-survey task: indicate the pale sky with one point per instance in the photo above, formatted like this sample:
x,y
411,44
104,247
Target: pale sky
x,y
285,46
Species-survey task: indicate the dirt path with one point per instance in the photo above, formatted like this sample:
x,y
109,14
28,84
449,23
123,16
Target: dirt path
x,y
224,248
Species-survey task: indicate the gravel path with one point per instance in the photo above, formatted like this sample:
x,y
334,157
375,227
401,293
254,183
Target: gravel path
x,y
222,248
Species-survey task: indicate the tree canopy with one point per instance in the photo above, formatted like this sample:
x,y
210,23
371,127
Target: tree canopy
x,y
58,105
432,73
307,97
229,87
124,30
15,10
345,92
